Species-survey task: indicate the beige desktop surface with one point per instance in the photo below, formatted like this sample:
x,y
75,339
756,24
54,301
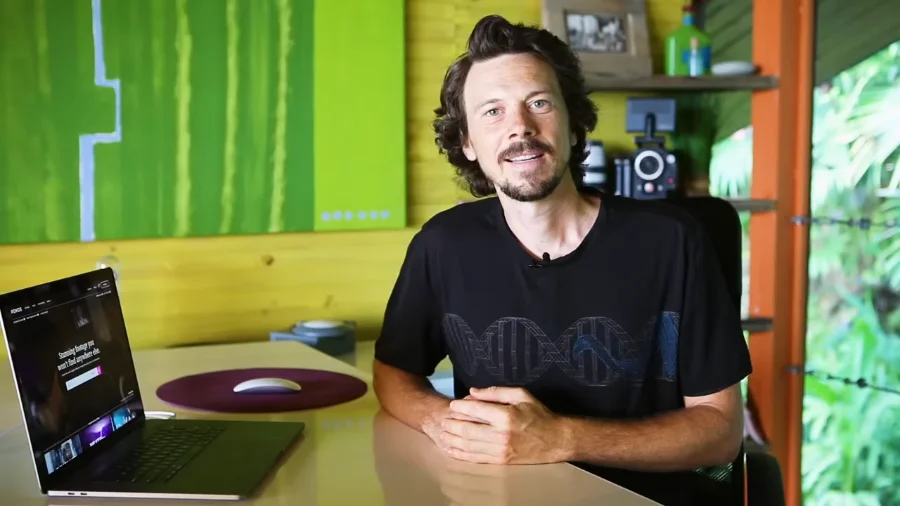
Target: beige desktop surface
x,y
352,454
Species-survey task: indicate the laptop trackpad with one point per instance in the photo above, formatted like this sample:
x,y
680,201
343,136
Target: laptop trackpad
x,y
194,458
237,461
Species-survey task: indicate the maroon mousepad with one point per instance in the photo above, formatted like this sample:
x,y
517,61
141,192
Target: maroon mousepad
x,y
212,391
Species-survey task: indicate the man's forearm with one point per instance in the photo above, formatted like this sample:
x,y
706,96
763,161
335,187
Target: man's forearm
x,y
699,436
408,397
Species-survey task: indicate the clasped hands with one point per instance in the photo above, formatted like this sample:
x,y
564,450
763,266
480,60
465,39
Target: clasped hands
x,y
502,425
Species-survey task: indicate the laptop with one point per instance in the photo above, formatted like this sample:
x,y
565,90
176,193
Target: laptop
x,y
84,414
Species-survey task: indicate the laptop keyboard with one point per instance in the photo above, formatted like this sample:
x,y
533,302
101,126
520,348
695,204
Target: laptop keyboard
x,y
159,457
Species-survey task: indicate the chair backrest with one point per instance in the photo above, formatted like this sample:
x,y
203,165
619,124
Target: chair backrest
x,y
722,225
720,220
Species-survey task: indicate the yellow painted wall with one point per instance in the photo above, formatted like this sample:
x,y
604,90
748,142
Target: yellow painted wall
x,y
183,291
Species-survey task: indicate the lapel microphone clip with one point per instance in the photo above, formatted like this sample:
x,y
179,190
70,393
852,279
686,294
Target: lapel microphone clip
x,y
545,260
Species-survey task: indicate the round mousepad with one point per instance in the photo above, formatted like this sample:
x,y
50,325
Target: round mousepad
x,y
213,391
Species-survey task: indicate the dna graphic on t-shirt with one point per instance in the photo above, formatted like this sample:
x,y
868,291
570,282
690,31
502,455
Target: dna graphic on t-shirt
x,y
593,351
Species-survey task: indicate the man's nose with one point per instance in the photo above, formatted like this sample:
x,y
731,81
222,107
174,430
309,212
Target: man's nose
x,y
521,123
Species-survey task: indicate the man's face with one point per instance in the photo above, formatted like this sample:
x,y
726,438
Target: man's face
x,y
518,125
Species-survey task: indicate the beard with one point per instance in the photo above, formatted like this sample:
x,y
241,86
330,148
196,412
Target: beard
x,y
532,186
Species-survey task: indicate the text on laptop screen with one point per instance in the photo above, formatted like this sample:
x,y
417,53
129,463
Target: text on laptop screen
x,y
72,364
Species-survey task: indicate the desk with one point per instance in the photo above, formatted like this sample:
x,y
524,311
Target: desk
x,y
351,453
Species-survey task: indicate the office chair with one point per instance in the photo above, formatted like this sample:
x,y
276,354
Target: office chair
x,y
760,471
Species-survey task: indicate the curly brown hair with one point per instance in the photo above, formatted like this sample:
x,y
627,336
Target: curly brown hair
x,y
494,36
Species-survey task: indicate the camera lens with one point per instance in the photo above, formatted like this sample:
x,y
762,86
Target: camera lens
x,y
648,165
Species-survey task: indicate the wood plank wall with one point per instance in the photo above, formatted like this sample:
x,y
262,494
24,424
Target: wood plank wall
x,y
238,288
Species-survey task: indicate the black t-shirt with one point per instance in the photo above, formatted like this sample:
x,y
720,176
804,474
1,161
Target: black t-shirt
x,y
625,326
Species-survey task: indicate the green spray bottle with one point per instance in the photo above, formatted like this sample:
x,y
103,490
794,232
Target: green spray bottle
x,y
684,45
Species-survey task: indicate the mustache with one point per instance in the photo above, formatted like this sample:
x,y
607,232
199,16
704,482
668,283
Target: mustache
x,y
522,147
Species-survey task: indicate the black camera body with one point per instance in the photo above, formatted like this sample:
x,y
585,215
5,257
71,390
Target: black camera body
x,y
654,173
651,171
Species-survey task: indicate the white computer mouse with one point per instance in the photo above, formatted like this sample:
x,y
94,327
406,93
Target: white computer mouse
x,y
266,386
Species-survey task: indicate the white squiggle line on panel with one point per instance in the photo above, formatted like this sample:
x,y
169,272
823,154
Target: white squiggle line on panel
x,y
87,142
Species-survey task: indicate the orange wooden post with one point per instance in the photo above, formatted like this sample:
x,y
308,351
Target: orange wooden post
x,y
783,46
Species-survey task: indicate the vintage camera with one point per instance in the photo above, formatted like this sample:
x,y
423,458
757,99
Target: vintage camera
x,y
651,171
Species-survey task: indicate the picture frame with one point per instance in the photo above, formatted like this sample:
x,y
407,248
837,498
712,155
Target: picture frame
x,y
610,37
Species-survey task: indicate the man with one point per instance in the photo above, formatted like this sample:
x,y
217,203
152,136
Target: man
x,y
585,327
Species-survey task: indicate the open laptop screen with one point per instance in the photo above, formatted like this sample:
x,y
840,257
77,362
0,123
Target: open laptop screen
x,y
72,365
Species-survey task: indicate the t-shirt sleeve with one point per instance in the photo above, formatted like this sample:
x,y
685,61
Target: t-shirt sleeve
x,y
411,337
713,353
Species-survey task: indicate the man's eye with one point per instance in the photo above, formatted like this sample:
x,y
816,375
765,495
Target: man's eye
x,y
540,103
492,112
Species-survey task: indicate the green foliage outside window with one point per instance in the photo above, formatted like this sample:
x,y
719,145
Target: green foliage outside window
x,y
851,448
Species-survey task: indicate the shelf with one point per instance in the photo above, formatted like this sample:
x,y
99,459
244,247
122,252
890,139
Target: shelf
x,y
752,205
756,324
595,82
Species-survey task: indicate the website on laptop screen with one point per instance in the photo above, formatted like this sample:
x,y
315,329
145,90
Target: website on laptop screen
x,y
73,365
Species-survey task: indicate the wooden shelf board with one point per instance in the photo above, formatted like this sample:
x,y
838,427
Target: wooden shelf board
x,y
669,83
756,324
752,205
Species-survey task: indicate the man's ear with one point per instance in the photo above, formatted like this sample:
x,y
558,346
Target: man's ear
x,y
573,139
467,149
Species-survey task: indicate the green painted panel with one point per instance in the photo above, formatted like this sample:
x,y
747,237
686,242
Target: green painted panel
x,y
360,139
301,172
201,117
41,115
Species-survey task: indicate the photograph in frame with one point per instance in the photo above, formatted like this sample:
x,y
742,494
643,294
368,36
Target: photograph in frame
x,y
610,37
